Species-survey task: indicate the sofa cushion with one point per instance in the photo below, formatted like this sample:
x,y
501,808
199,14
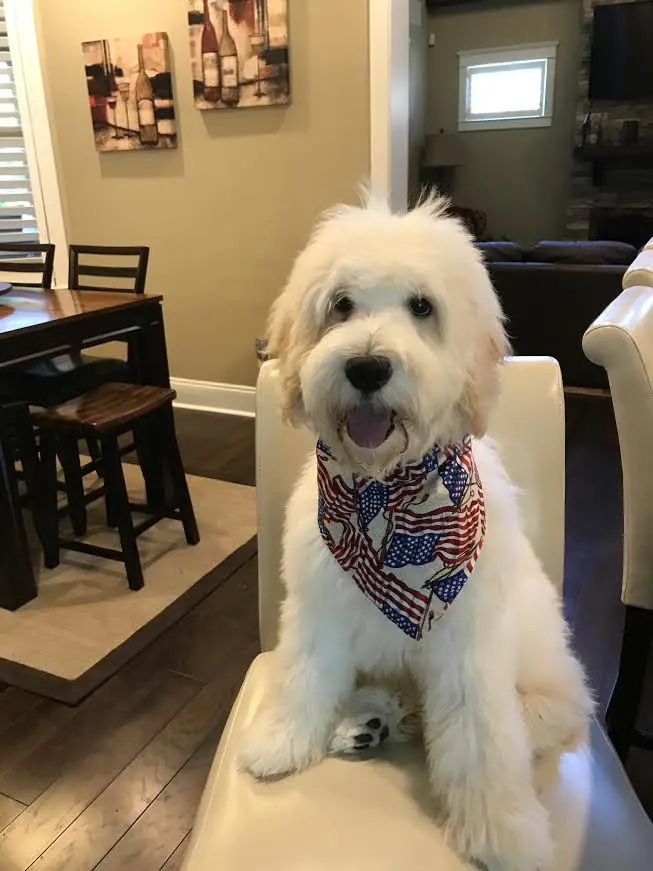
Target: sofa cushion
x,y
593,252
502,252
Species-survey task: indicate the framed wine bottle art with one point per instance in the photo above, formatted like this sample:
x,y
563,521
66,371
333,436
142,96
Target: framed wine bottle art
x,y
239,53
130,93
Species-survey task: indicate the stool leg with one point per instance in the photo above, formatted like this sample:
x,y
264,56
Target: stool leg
x,y
68,450
180,486
94,453
109,508
50,519
146,439
114,481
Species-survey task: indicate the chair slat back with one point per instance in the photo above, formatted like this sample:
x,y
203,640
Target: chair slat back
x,y
113,273
32,258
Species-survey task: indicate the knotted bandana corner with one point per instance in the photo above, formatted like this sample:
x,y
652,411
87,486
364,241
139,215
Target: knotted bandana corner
x,y
410,541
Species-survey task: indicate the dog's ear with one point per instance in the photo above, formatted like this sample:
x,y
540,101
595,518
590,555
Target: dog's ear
x,y
482,387
282,346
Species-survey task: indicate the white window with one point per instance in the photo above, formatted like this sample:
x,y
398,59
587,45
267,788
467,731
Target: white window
x,y
30,203
17,213
507,87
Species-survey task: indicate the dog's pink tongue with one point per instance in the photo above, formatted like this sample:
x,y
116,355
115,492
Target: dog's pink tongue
x,y
368,426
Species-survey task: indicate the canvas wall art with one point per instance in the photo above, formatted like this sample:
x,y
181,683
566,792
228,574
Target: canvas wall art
x,y
239,53
130,93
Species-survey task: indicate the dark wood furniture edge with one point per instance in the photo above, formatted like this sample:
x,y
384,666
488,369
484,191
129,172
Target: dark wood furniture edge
x,y
74,691
109,323
141,300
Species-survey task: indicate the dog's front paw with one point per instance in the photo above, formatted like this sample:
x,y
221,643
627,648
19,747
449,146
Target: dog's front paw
x,y
271,747
503,836
372,716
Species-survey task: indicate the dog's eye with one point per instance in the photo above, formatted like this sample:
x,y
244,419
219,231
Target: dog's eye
x,y
420,307
343,306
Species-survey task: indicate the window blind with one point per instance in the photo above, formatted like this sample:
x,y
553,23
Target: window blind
x,y
17,214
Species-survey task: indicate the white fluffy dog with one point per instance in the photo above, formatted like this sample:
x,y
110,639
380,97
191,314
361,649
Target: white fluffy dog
x,y
403,549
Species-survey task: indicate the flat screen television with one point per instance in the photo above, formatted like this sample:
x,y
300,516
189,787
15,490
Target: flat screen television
x,y
622,52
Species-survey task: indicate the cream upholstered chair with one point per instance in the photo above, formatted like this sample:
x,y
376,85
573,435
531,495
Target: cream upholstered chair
x,y
621,340
375,813
640,271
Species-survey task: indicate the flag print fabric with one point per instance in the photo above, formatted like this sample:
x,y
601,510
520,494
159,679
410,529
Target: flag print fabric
x,y
409,541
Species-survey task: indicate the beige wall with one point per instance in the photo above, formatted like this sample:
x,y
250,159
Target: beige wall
x,y
227,211
520,177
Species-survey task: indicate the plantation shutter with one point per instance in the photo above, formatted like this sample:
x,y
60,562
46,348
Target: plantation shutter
x,y
17,214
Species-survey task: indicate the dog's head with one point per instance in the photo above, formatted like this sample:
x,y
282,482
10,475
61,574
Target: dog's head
x,y
388,334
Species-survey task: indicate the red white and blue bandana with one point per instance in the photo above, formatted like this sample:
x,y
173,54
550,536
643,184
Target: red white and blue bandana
x,y
410,541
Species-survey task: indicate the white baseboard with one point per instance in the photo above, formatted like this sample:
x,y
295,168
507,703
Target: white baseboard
x,y
235,399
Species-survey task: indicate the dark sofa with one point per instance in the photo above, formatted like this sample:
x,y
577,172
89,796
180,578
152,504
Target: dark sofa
x,y
552,292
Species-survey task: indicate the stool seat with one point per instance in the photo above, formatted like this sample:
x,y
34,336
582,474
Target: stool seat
x,y
104,409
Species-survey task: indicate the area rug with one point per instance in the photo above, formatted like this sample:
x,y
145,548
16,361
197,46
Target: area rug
x,y
86,622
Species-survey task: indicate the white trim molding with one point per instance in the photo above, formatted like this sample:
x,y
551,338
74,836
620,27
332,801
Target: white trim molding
x,y
237,399
389,49
21,30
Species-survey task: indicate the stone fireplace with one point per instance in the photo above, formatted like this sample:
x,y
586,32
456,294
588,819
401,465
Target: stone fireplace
x,y
611,188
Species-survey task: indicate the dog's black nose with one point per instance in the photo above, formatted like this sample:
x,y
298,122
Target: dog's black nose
x,y
368,374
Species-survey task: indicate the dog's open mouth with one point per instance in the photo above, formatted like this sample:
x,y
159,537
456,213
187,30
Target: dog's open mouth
x,y
368,427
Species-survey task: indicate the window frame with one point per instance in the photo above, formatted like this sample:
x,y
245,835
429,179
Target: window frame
x,y
37,135
506,55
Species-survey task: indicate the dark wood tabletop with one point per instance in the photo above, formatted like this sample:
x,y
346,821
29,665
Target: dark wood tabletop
x,y
25,309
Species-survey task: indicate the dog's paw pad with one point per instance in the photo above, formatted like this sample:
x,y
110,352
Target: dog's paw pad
x,y
348,737
372,716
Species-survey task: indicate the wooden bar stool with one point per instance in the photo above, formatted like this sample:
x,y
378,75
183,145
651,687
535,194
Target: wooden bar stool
x,y
105,414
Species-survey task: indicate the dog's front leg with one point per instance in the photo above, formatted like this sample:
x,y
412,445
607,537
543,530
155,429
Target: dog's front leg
x,y
314,673
478,751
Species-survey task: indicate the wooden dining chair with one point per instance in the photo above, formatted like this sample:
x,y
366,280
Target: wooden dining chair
x,y
79,272
31,258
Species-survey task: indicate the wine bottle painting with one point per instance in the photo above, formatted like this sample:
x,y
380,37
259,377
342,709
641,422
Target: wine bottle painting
x,y
130,93
239,53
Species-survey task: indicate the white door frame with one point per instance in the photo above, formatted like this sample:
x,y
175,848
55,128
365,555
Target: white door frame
x,y
389,26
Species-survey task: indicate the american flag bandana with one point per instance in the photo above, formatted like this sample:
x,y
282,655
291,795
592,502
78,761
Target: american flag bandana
x,y
410,541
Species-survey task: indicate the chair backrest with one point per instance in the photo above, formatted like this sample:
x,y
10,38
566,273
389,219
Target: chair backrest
x,y
527,426
113,274
29,258
640,271
621,340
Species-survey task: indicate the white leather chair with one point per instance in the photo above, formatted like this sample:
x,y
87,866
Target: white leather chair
x,y
640,271
354,815
621,340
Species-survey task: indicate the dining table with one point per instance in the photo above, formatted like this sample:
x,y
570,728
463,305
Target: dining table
x,y
39,324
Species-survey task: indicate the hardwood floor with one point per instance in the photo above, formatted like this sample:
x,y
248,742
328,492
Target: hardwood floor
x,y
114,784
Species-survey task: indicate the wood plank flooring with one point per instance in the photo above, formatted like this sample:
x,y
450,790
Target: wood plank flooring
x,y
113,784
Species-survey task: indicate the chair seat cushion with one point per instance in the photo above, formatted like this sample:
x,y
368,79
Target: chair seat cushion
x,y
376,813
49,382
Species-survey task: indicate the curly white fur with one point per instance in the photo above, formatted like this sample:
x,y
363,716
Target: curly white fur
x,y
497,681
